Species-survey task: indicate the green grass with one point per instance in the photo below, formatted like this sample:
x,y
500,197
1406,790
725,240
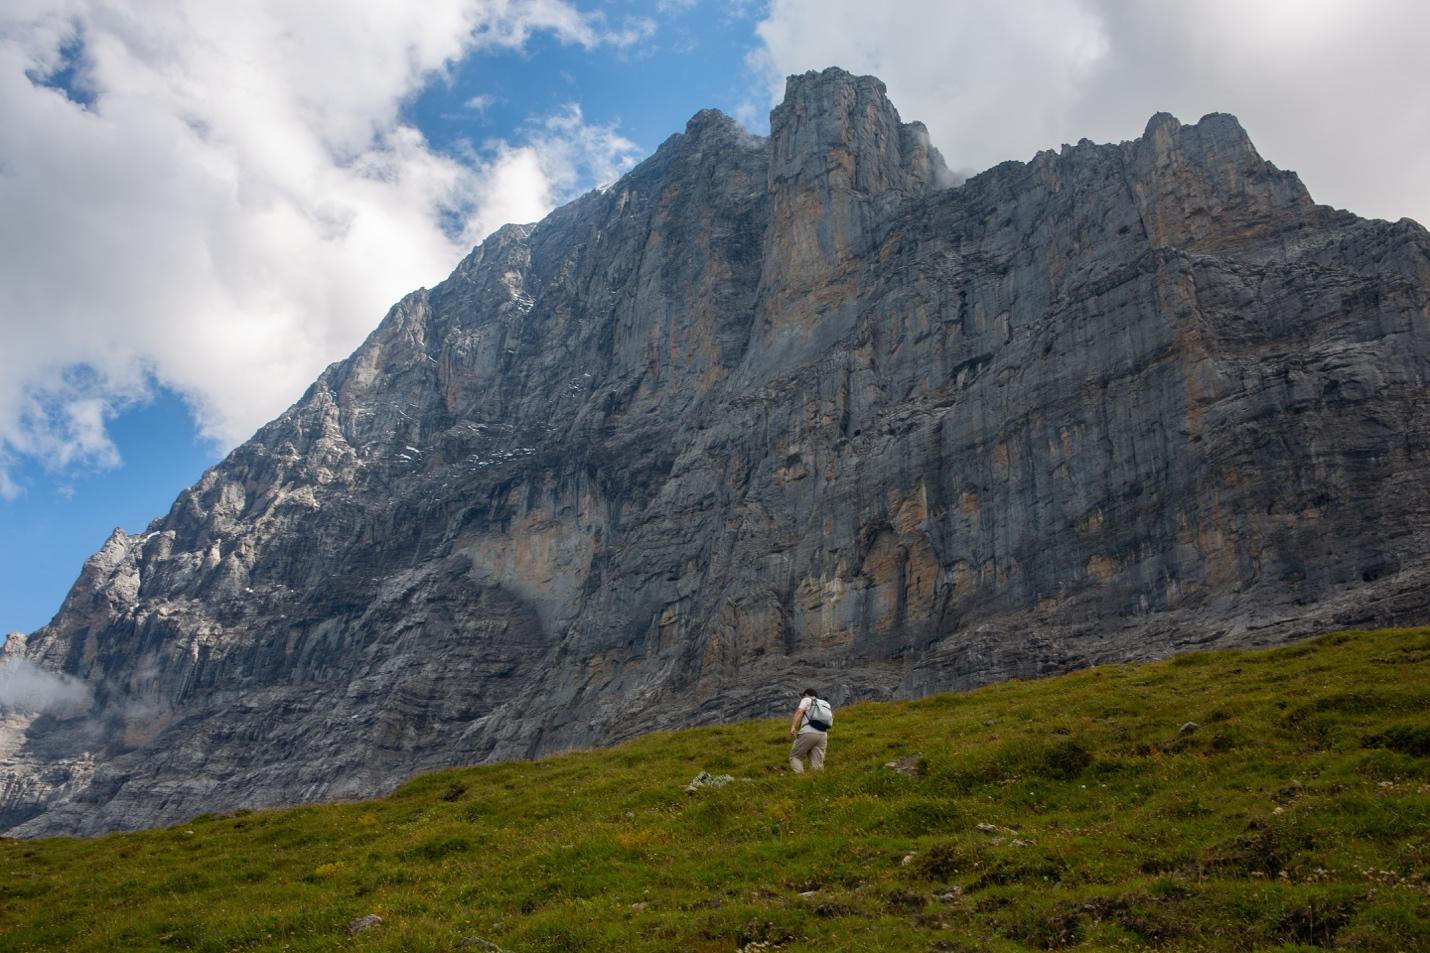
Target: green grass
x,y
1068,812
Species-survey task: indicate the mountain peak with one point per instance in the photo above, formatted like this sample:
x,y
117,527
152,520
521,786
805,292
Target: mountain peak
x,y
835,126
1207,181
832,78
708,119
1214,132
1160,121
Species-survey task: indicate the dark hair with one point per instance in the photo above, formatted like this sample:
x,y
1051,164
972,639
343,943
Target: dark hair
x,y
811,693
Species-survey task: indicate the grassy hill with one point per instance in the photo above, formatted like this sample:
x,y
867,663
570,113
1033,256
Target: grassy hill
x,y
1080,811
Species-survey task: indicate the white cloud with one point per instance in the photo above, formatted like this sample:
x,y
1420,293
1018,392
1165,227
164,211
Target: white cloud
x,y
209,214
633,30
480,103
522,183
24,686
1335,89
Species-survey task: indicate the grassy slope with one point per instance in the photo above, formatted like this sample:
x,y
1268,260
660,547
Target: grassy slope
x,y
1296,815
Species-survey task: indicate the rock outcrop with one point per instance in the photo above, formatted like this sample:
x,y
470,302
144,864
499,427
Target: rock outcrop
x,y
769,413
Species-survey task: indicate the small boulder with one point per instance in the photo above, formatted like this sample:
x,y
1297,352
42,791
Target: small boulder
x,y
363,924
707,780
477,943
1188,728
911,766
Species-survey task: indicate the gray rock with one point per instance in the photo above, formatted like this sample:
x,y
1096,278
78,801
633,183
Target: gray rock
x,y
478,943
910,765
768,413
707,780
363,924
1188,728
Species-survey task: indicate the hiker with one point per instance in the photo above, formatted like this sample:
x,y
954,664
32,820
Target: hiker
x,y
810,730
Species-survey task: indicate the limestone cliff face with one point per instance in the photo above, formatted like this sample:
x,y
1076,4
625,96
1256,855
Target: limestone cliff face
x,y
767,413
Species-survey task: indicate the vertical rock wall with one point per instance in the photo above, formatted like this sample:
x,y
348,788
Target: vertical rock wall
x,y
767,413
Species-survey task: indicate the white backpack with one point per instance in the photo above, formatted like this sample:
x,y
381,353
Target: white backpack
x,y
819,715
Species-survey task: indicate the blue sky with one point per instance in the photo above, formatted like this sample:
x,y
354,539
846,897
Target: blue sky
x,y
700,47
64,517
202,204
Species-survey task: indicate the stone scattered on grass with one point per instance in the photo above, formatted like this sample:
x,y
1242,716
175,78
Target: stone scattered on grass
x,y
909,766
363,924
707,780
908,859
1188,728
477,943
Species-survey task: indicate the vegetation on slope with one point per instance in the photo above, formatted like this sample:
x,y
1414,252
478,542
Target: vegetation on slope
x,y
1079,812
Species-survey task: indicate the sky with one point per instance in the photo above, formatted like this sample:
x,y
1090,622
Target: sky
x,y
202,204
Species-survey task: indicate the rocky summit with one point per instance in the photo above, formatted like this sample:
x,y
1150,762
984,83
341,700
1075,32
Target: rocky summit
x,y
767,413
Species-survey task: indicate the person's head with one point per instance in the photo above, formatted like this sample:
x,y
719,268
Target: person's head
x,y
810,693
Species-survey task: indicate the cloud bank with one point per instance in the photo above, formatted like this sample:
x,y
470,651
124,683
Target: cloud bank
x,y
1335,89
26,687
222,198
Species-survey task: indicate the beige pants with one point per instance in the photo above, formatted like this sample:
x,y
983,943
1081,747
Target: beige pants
x,y
808,744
